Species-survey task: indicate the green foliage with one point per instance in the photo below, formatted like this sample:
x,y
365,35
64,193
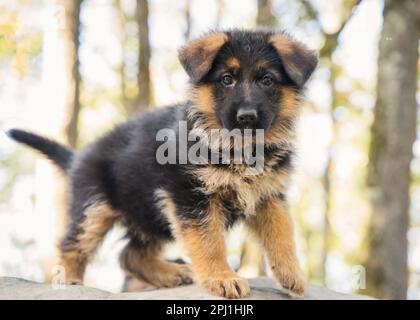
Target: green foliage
x,y
17,48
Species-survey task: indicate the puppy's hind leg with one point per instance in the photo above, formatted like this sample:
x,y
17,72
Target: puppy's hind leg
x,y
141,259
83,238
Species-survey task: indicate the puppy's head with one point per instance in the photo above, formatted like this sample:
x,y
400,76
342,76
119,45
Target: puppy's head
x,y
246,79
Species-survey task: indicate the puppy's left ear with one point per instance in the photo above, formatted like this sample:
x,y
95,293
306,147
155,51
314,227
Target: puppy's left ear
x,y
197,56
299,62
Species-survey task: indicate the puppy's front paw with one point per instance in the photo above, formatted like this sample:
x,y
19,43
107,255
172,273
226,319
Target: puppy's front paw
x,y
291,279
172,275
230,286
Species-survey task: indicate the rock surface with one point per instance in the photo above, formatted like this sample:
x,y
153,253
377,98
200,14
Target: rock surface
x,y
261,288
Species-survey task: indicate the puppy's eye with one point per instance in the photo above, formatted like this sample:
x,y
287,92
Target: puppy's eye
x,y
227,80
267,80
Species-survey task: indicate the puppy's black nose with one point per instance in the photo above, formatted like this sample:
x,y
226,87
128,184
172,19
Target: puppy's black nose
x,y
247,117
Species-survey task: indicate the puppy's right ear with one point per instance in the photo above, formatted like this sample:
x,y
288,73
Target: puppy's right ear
x,y
198,55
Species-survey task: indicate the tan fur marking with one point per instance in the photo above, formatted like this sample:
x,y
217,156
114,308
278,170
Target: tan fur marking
x,y
74,266
99,218
204,99
201,240
265,64
203,103
261,64
233,63
274,227
288,111
289,103
146,264
282,44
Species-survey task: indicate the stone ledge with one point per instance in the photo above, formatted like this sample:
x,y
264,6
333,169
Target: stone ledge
x,y
261,289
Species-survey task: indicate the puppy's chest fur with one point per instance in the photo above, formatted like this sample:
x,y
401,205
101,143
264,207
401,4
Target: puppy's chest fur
x,y
239,193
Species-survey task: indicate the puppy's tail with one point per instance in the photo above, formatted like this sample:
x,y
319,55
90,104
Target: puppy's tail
x,y
59,154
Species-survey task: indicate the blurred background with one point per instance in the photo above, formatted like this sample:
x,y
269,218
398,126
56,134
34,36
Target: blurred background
x,y
73,69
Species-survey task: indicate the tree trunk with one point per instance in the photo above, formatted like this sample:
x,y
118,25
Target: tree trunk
x,y
188,20
122,20
143,100
265,15
135,93
61,82
393,134
70,35
252,260
219,15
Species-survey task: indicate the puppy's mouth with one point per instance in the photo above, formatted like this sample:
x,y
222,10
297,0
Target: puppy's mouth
x,y
245,128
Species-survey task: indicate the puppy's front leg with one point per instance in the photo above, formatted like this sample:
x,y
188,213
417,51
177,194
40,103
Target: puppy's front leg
x,y
274,227
204,242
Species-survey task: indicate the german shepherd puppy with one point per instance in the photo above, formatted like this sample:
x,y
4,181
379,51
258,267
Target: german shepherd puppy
x,y
239,80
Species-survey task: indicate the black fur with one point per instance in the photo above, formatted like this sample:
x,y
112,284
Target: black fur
x,y
61,155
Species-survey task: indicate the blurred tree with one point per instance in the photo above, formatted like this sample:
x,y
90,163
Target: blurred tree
x,y
220,9
265,16
70,37
393,134
121,31
252,258
331,41
143,99
70,34
188,20
135,95
61,42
